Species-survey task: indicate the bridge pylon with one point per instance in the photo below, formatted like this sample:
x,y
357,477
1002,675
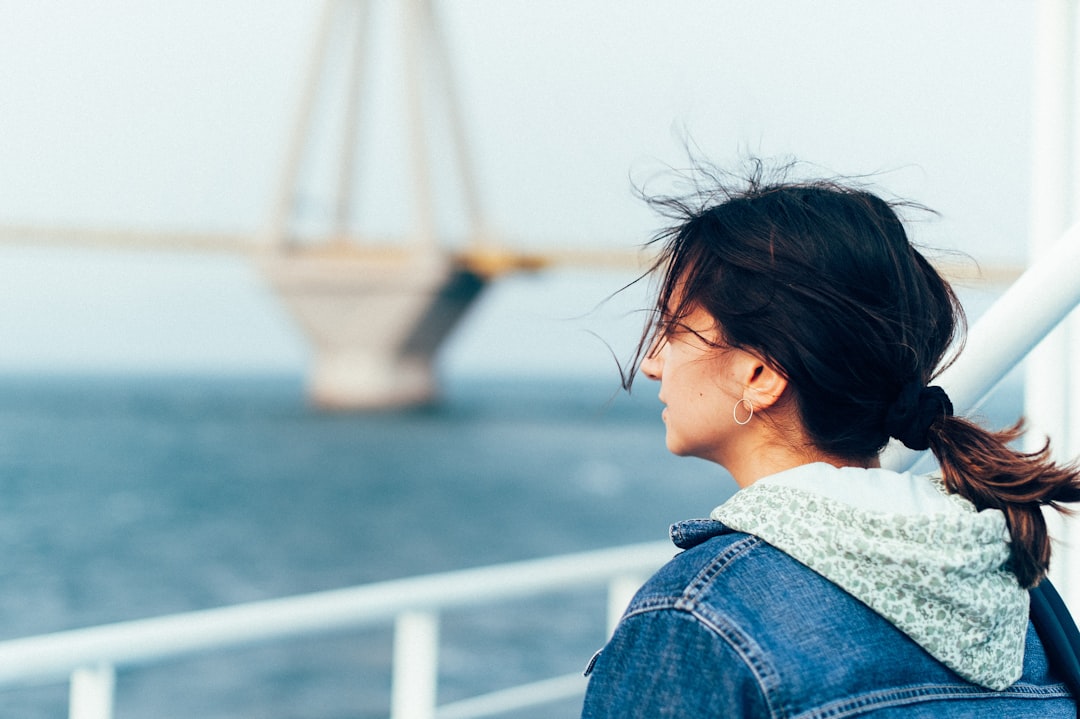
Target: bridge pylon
x,y
376,314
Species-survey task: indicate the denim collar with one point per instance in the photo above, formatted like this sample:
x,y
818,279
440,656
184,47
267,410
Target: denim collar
x,y
693,532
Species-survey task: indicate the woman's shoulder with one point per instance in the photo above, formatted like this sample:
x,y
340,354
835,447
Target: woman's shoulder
x,y
747,590
771,609
747,617
719,566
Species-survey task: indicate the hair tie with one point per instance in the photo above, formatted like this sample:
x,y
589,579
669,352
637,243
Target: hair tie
x,y
914,410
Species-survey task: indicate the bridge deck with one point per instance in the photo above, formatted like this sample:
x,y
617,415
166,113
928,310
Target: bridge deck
x,y
489,260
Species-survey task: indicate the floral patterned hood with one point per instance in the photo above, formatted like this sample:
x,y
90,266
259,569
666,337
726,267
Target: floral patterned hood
x,y
925,560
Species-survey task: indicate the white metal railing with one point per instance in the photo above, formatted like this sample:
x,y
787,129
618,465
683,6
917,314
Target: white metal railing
x,y
89,657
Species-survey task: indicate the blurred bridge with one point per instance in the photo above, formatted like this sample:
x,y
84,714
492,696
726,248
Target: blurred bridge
x,y
375,310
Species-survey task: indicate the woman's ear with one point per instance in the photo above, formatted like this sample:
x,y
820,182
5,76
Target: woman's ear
x,y
763,384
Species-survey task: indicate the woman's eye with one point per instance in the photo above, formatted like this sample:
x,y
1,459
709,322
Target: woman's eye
x,y
674,329
668,324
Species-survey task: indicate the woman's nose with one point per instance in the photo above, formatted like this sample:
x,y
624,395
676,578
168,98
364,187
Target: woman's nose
x,y
652,366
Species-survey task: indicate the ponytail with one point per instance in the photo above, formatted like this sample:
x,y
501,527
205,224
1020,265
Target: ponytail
x,y
981,466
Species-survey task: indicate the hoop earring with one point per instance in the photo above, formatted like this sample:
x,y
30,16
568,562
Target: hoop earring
x,y
735,411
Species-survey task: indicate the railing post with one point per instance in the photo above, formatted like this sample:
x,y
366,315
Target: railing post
x,y
1054,202
92,692
416,666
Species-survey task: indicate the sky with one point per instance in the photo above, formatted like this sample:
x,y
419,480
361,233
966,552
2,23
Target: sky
x,y
154,115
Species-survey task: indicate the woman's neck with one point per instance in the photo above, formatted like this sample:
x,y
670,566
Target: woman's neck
x,y
766,458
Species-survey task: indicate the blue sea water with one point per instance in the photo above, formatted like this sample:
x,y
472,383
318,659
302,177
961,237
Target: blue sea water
x,y
130,497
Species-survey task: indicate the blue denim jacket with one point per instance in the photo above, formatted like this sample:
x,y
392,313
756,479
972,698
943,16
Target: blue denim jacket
x,y
732,627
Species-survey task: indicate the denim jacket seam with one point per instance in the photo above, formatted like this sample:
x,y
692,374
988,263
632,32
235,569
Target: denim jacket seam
x,y
687,599
916,694
1026,689
765,677
755,659
716,565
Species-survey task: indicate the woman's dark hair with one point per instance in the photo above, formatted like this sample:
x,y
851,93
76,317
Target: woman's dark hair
x,y
819,279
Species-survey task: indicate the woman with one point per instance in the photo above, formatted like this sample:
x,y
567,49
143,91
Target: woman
x,y
796,330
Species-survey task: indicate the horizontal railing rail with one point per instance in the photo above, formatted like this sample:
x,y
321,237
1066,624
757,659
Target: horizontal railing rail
x,y
90,656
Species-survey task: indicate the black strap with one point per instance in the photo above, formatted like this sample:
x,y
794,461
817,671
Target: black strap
x,y
1059,635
